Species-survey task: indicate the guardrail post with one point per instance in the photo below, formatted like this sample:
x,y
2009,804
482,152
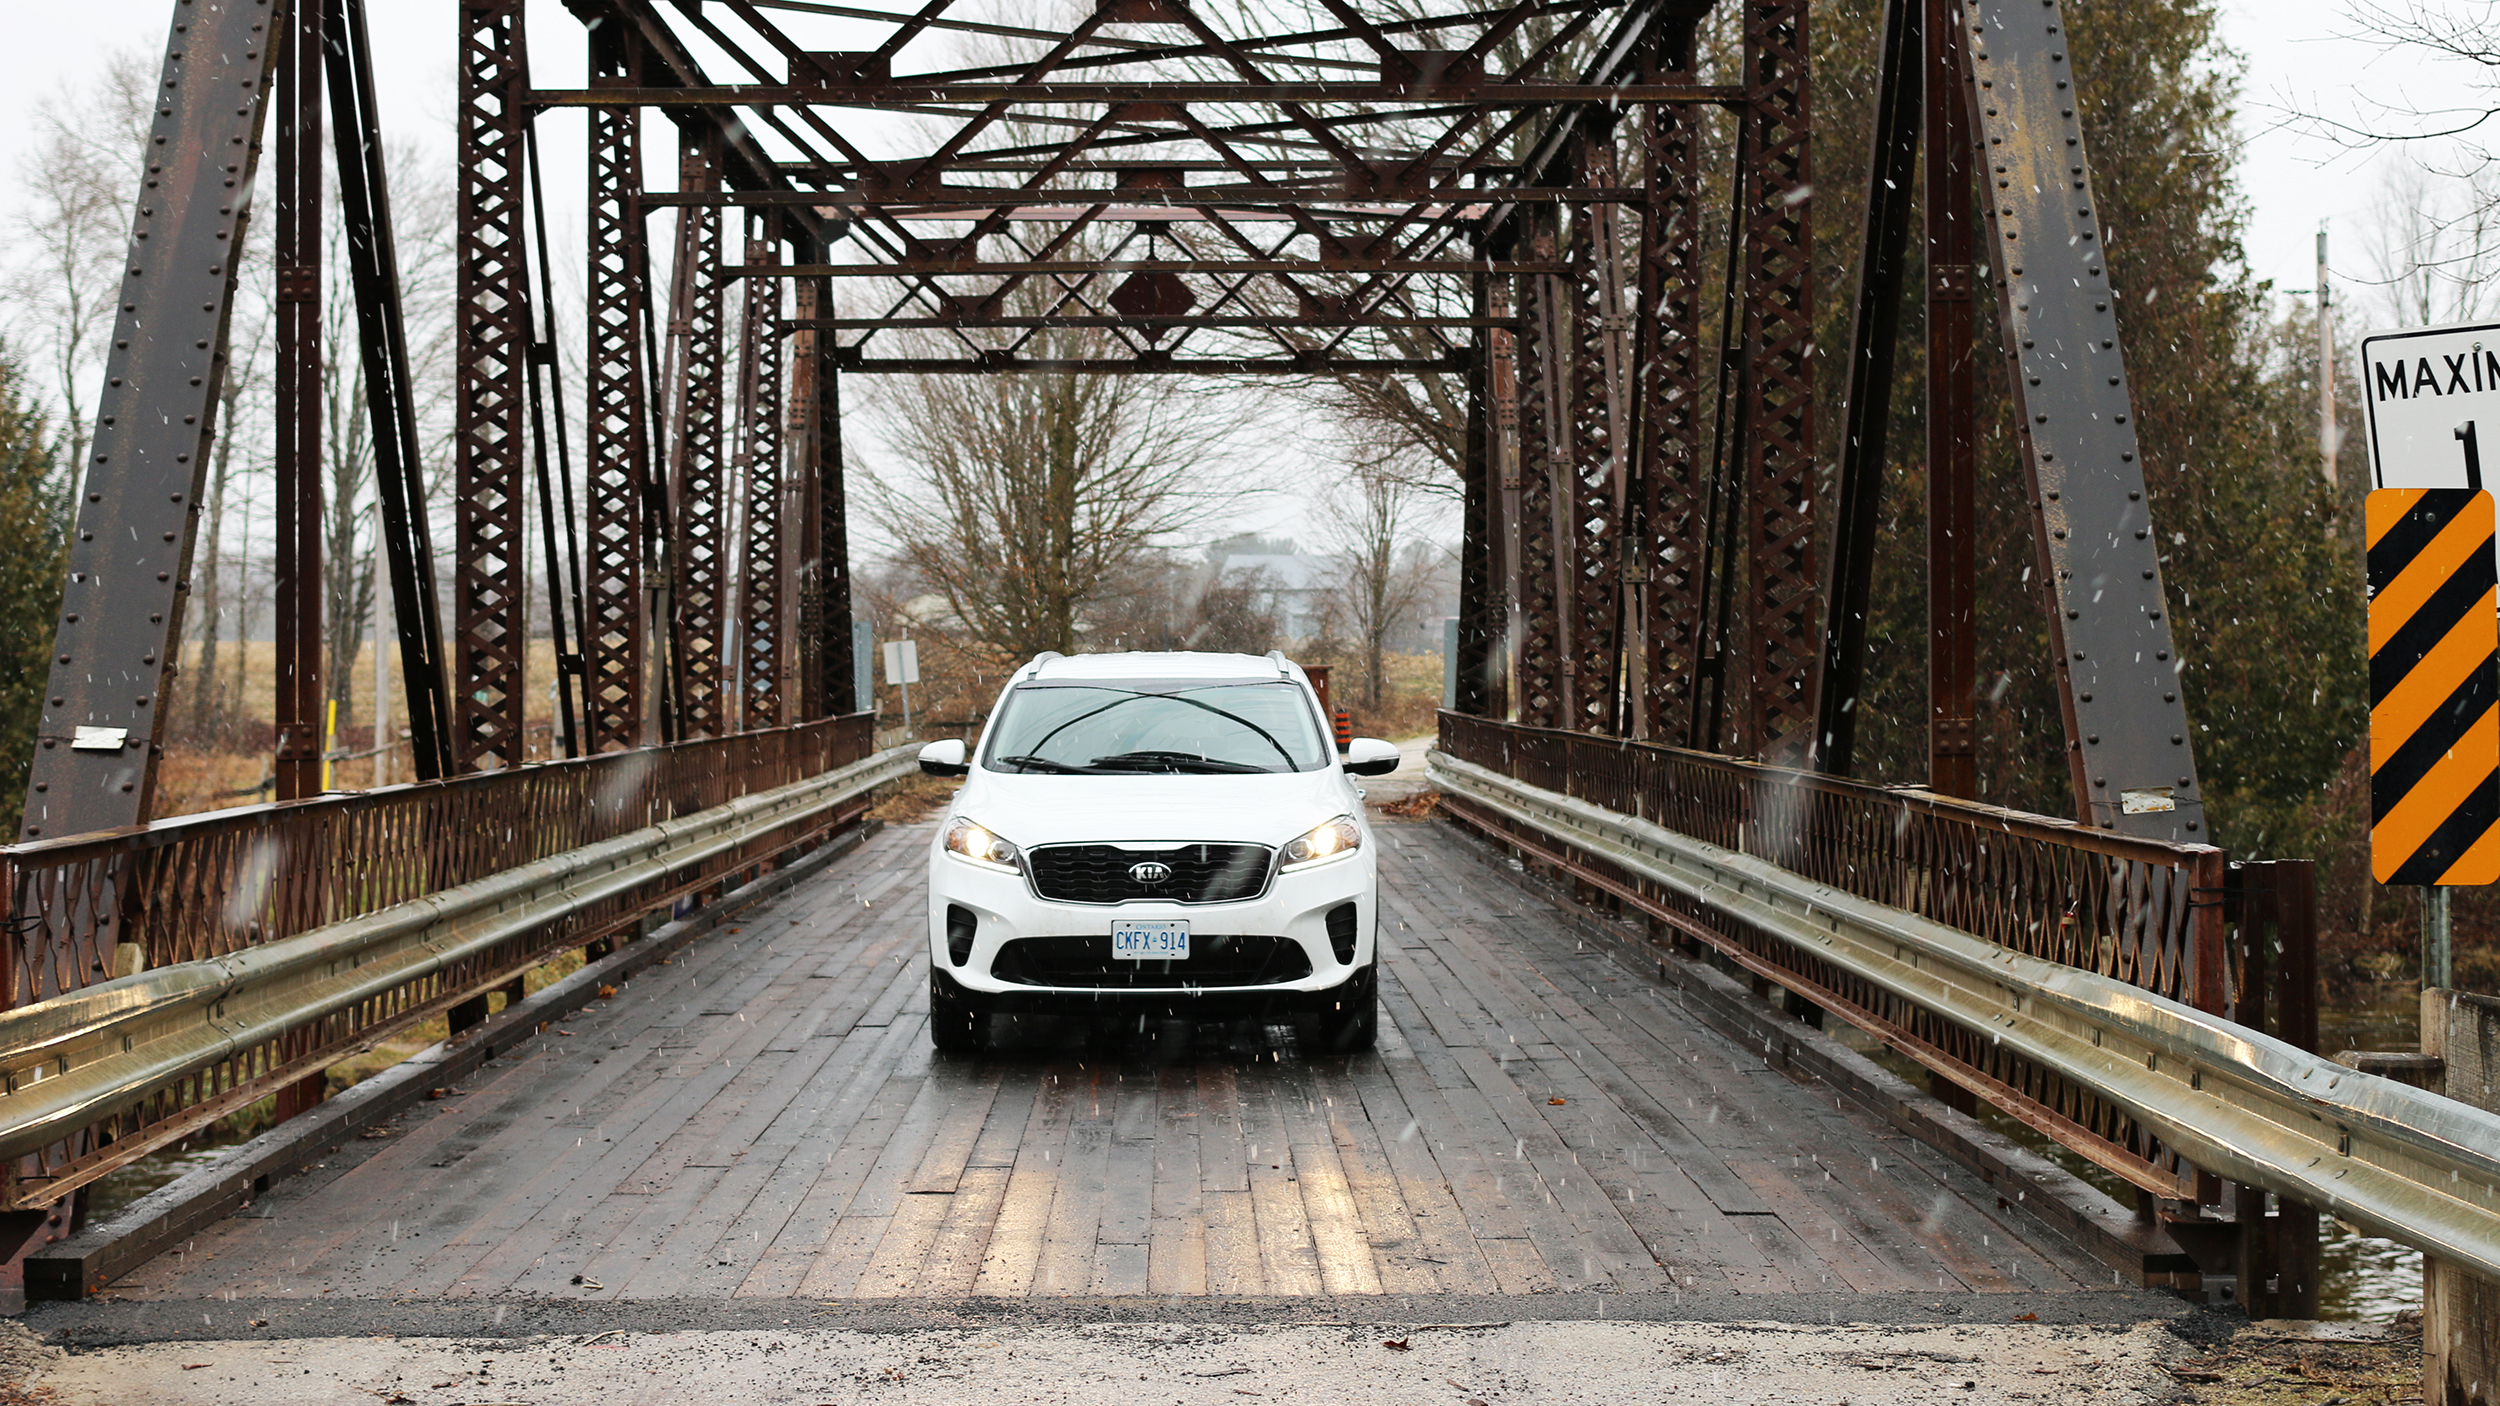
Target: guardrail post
x,y
2460,1312
2275,904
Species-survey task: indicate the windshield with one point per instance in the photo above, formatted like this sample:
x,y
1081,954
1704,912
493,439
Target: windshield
x,y
1158,728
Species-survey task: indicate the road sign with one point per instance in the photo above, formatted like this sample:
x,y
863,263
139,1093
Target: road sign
x,y
902,661
2432,393
2434,688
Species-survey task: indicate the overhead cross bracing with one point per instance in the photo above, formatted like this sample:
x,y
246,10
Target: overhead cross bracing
x,y
1206,193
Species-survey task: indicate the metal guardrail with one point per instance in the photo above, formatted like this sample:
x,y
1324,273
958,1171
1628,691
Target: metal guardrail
x,y
2391,1159
2145,912
215,1033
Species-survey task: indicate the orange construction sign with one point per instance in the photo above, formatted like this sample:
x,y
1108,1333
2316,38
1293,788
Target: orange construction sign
x,y
2434,688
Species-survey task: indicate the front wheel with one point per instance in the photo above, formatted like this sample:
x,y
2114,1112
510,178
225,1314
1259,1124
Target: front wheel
x,y
957,1022
1349,1017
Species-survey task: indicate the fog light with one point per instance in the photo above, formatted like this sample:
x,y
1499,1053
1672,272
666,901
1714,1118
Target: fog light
x,y
1341,933
960,928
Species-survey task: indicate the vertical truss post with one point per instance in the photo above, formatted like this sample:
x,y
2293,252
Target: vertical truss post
x,y
120,628
2133,767
838,688
811,361
1866,416
1600,439
695,476
618,440
1670,549
1543,664
297,247
490,592
1778,408
761,641
390,392
1479,497
1952,449
1504,495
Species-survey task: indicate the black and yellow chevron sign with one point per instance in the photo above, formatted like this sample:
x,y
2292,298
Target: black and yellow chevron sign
x,y
2434,688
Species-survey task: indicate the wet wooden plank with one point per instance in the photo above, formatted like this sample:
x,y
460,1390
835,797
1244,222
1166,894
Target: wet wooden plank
x,y
1015,1245
765,1118
1176,1239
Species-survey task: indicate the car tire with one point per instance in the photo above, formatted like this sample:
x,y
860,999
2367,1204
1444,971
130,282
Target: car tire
x,y
958,1021
1349,1017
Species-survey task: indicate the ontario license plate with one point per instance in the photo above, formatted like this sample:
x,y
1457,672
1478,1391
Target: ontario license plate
x,y
1149,942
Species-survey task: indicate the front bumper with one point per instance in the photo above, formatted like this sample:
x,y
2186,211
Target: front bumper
x,y
1295,908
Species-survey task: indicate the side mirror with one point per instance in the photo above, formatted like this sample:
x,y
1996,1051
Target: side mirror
x,y
1369,756
944,758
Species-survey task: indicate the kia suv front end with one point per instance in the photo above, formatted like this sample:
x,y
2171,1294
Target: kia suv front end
x,y
1168,834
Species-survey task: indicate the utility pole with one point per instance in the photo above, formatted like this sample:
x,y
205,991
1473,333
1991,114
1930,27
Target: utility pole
x,y
2326,366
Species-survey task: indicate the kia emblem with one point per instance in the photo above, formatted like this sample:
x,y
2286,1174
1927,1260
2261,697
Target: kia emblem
x,y
1150,872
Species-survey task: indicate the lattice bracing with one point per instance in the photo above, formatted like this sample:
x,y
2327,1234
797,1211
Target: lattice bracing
x,y
1785,612
617,444
490,591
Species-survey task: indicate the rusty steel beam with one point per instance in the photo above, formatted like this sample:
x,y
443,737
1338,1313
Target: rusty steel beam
x,y
698,409
390,391
1669,548
960,266
1479,498
1785,614
1506,491
1150,363
1148,319
761,639
617,444
120,630
1952,439
1598,405
1489,93
836,689
491,593
1541,658
296,249
2133,767
1866,416
1267,200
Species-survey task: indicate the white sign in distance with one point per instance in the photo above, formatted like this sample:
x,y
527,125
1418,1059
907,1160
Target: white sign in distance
x,y
2433,401
902,661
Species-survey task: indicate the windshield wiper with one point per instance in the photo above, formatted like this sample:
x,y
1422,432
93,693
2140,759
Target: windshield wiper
x,y
1046,764
1175,761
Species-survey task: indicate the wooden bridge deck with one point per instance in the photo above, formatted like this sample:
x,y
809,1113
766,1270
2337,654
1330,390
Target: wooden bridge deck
x,y
764,1117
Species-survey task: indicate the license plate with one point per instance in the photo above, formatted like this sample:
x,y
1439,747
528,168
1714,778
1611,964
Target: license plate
x,y
1149,942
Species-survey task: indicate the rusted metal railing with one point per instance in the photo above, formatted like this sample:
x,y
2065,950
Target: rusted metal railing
x,y
2223,1096
2143,912
86,908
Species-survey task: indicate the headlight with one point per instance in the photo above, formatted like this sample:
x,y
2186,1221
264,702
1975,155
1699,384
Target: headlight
x,y
970,841
1334,840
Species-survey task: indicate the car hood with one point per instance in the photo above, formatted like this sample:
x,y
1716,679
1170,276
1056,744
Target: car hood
x,y
1043,810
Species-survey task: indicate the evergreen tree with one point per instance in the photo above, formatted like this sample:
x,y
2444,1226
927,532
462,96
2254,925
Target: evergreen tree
x,y
2264,589
34,555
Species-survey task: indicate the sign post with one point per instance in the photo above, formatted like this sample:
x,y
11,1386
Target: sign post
x,y
902,668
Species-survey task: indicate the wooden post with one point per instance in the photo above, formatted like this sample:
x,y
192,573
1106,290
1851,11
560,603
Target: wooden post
x,y
2461,1313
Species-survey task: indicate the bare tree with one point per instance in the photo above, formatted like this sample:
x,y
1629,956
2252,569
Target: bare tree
x,y
1027,498
2434,247
79,183
1383,575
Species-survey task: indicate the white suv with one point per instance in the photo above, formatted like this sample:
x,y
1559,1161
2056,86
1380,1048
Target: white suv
x,y
1155,833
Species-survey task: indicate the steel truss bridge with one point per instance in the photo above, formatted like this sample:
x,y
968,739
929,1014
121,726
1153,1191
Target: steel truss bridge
x,y
1585,228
